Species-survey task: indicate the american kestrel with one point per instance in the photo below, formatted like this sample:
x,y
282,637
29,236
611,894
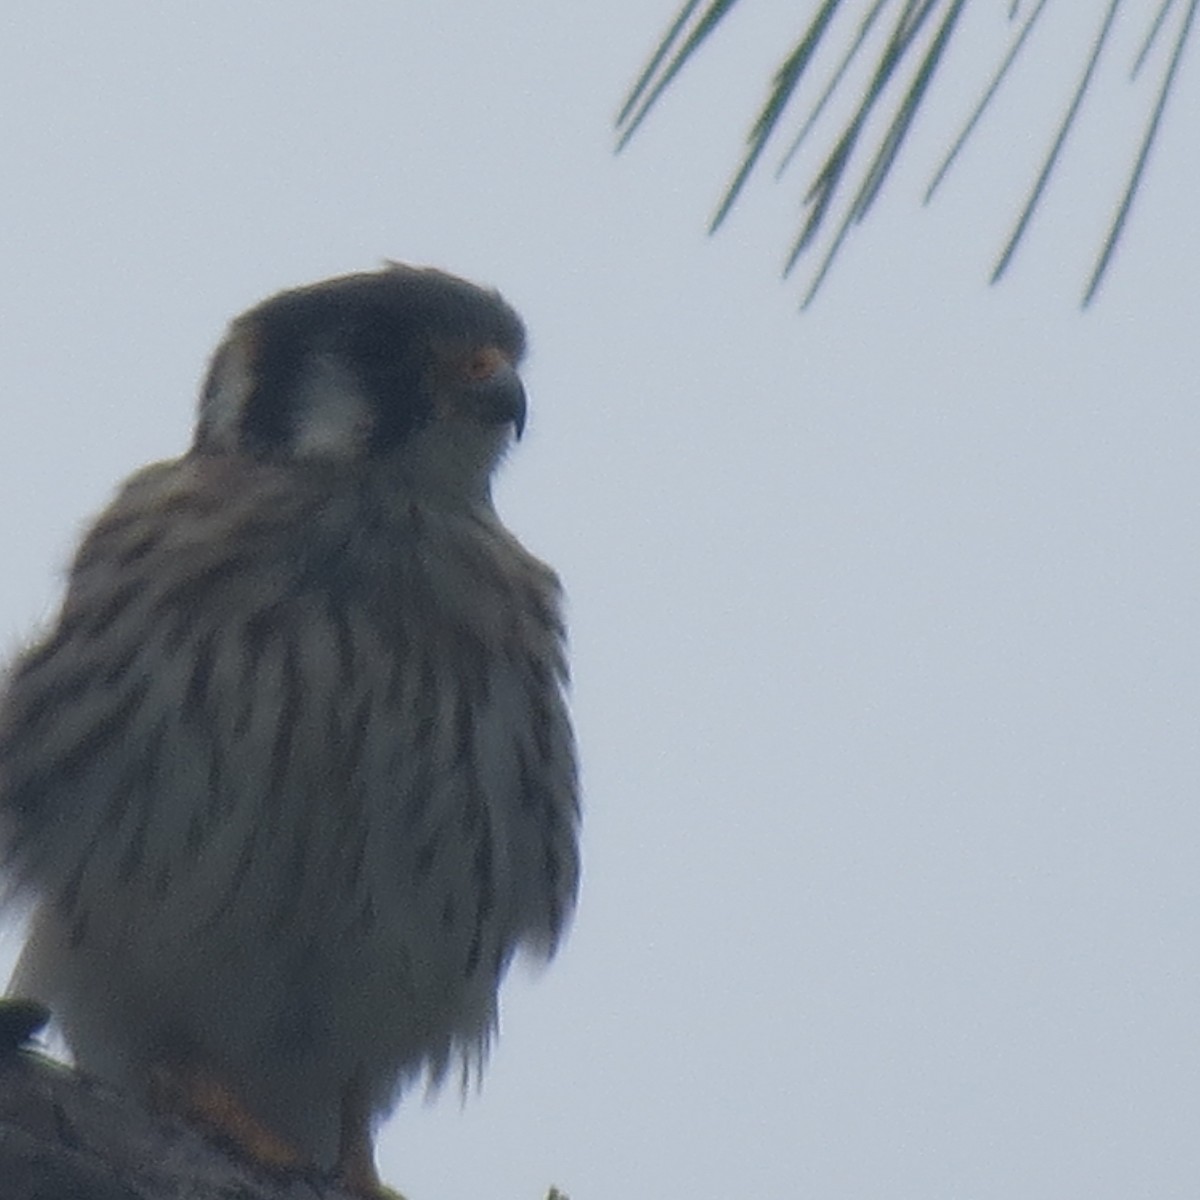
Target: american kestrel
x,y
291,778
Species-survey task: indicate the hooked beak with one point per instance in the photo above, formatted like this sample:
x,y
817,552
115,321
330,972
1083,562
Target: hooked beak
x,y
501,397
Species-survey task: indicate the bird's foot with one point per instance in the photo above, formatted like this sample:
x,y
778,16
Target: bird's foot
x,y
204,1100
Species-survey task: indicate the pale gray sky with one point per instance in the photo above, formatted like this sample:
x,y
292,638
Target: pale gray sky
x,y
885,618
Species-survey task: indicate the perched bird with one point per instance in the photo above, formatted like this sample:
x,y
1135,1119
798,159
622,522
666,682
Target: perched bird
x,y
291,778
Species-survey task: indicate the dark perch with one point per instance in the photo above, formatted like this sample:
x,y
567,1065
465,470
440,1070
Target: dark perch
x,y
65,1137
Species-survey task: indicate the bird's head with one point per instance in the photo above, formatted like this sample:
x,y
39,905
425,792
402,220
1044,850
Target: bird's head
x,y
408,367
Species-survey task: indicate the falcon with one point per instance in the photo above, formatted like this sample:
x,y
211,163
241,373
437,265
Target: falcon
x,y
291,779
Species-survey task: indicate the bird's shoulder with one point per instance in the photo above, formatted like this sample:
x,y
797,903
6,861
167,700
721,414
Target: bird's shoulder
x,y
208,538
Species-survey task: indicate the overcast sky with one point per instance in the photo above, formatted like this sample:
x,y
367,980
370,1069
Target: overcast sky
x,y
885,617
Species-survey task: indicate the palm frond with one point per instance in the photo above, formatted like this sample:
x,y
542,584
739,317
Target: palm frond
x,y
988,96
1135,179
1059,141
907,55
1151,38
817,109
786,80
830,176
893,140
654,79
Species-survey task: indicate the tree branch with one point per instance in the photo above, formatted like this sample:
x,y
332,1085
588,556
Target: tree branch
x,y
64,1136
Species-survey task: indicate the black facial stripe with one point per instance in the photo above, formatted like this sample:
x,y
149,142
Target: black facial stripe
x,y
267,420
399,391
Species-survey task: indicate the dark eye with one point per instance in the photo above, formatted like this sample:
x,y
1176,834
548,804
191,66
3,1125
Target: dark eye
x,y
485,362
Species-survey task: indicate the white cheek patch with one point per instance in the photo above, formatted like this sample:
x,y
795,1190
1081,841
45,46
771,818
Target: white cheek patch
x,y
332,413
